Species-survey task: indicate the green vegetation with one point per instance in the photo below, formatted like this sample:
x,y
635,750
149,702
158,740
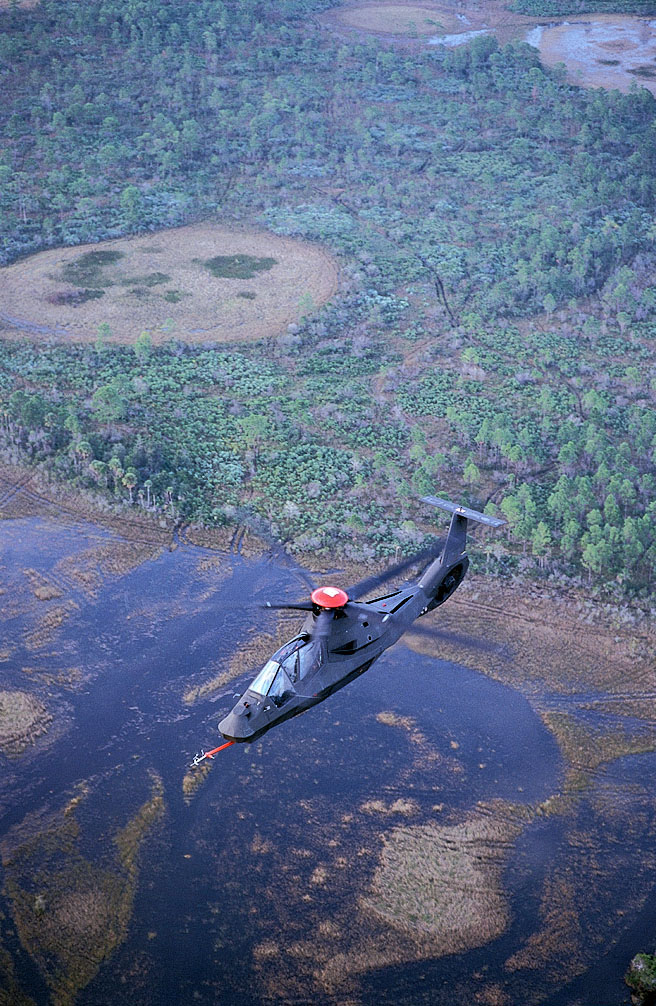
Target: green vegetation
x,y
641,977
73,298
23,718
88,269
494,333
561,8
238,266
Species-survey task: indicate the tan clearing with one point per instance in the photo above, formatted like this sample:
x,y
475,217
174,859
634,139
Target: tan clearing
x,y
161,284
407,21
399,19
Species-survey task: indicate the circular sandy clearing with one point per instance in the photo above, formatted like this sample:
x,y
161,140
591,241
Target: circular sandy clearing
x,y
398,19
203,283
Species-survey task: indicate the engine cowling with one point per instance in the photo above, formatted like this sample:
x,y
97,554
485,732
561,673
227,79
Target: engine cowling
x,y
451,580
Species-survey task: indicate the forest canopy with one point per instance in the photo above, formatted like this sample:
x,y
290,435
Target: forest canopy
x,y
561,8
493,335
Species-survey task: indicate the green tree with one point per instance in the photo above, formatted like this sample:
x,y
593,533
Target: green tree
x,y
130,480
143,346
109,402
131,202
541,542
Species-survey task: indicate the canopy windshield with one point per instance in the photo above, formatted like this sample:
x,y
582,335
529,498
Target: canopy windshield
x,y
297,659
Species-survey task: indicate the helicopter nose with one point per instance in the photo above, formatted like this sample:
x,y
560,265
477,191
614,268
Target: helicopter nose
x,y
235,726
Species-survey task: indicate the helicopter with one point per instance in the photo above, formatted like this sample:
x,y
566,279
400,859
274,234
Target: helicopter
x,y
343,634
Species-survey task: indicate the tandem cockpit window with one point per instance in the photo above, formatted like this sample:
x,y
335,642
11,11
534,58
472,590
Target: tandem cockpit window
x,y
293,662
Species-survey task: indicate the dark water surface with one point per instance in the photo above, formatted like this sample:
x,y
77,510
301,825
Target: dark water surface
x,y
221,880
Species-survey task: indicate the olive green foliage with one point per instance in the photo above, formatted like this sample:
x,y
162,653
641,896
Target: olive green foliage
x,y
73,298
494,333
88,268
238,266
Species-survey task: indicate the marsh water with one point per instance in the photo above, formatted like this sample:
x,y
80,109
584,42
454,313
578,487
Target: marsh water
x,y
227,893
610,51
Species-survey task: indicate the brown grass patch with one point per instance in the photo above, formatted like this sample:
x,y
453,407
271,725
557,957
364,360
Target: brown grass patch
x,y
42,588
162,283
47,626
560,932
22,719
93,566
586,749
559,642
446,880
266,950
399,19
71,913
405,807
391,719
67,677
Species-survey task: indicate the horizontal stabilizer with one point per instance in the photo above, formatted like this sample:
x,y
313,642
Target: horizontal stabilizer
x,y
464,511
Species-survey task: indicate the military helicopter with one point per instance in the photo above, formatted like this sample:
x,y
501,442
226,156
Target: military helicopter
x,y
344,634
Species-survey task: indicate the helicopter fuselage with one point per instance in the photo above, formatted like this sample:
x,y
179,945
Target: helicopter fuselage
x,y
359,633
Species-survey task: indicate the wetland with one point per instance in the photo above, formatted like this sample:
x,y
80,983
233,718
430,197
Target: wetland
x,y
499,845
468,304
613,51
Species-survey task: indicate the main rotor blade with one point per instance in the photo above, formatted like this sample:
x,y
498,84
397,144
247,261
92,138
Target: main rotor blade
x,y
460,639
257,526
366,586
296,605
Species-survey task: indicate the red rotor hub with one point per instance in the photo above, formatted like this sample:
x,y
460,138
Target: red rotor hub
x,y
329,597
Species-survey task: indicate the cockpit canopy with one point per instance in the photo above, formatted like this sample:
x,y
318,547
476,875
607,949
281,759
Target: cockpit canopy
x,y
292,662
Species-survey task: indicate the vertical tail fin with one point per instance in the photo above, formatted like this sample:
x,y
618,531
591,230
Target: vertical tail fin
x,y
457,536
446,573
